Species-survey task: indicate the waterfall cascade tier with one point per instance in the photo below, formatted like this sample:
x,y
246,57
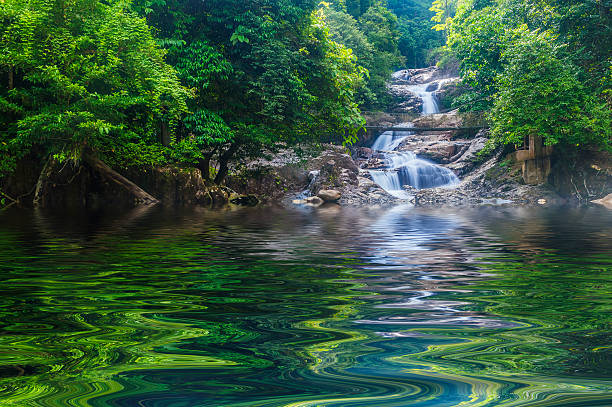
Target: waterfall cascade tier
x,y
404,167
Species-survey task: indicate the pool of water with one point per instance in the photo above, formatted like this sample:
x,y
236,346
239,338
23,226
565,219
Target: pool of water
x,y
333,306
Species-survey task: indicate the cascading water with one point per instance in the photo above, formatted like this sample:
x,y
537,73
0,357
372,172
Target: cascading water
x,y
403,167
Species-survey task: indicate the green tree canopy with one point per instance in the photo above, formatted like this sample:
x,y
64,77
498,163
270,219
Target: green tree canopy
x,y
264,72
540,94
417,39
374,41
540,66
83,75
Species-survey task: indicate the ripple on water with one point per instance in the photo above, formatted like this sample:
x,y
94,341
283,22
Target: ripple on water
x,y
270,307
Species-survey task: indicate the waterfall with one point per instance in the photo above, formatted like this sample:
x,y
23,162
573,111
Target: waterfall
x,y
426,91
404,167
430,102
312,176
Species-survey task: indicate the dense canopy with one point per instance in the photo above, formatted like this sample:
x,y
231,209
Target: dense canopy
x,y
157,82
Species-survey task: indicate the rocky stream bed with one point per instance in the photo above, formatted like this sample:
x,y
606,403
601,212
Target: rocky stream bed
x,y
486,176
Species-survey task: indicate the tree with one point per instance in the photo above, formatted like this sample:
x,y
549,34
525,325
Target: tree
x,y
380,27
444,11
478,39
344,29
265,72
357,7
540,94
417,39
86,80
538,70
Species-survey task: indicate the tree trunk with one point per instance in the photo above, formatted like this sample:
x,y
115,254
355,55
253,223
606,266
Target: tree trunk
x,y
223,160
41,184
165,134
141,197
204,166
11,78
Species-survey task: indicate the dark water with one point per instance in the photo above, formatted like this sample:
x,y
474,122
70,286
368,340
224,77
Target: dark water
x,y
327,307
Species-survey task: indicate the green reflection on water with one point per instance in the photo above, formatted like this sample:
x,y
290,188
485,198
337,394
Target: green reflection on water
x,y
177,316
561,343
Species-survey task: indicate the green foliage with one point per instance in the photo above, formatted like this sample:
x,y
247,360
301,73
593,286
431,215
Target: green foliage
x,y
416,38
540,94
540,68
263,74
357,7
82,75
477,38
444,11
374,41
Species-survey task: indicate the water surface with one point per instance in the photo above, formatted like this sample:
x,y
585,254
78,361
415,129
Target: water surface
x,y
333,306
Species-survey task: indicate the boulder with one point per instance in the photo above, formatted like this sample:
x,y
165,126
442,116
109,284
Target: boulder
x,y
451,119
337,170
364,152
416,76
314,200
329,195
404,100
365,183
439,152
432,87
271,177
467,159
605,201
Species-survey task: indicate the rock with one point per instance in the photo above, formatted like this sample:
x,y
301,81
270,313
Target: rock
x,y
450,119
315,200
439,153
365,183
448,92
364,152
605,201
405,101
329,195
374,163
469,159
432,87
270,178
337,170
417,76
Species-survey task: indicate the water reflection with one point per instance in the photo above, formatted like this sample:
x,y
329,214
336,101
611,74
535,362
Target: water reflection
x,y
308,307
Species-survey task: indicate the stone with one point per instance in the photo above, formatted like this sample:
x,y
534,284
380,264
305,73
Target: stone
x,y
432,87
337,171
329,195
439,153
364,152
605,201
314,200
365,183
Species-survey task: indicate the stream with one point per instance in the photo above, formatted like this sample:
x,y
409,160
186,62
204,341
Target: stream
x,y
296,307
404,168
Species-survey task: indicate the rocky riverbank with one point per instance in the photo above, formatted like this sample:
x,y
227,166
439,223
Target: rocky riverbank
x,y
486,176
289,175
486,179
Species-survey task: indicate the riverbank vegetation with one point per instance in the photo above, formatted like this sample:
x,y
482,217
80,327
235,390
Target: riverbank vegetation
x,y
149,83
539,68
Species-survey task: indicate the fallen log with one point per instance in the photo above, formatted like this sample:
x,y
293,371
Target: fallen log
x,y
47,181
141,197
